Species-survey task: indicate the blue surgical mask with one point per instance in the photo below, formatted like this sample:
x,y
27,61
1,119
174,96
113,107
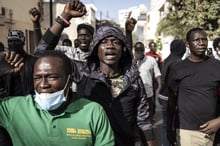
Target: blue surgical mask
x,y
51,101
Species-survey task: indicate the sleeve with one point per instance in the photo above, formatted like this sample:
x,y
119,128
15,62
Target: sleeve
x,y
156,69
102,129
173,84
143,112
7,108
47,42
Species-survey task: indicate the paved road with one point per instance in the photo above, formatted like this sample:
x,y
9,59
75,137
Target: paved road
x,y
158,124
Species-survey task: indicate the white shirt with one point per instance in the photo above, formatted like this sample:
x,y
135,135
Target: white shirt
x,y
147,68
73,53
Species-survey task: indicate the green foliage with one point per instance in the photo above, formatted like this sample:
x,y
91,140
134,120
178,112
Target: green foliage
x,y
185,14
159,44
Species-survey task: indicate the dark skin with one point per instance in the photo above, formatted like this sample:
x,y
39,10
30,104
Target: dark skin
x,y
153,47
35,18
14,59
50,76
109,53
197,44
84,38
129,27
72,9
11,63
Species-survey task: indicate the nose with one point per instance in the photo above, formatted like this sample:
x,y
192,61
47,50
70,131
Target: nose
x,y
44,83
109,44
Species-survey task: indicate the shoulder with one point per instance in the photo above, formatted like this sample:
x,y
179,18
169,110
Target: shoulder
x,y
89,104
17,100
152,59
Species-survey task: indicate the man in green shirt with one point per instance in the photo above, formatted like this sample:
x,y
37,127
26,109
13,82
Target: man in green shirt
x,y
54,115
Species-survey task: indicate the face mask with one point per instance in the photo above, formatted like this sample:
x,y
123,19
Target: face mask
x,y
51,101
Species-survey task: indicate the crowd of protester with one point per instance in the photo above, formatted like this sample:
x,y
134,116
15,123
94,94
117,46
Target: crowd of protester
x,y
101,90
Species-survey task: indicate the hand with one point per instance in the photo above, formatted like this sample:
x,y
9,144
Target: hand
x,y
171,136
15,60
73,10
151,143
35,15
211,126
130,23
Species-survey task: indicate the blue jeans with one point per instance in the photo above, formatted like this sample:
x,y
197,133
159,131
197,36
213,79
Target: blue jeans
x,y
163,104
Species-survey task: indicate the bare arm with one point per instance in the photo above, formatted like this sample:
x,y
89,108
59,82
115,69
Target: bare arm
x,y
129,27
158,78
35,18
71,10
50,39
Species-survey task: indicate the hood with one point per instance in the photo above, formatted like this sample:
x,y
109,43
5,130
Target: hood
x,y
178,48
102,33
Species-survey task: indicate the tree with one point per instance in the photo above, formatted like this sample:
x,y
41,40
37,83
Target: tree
x,y
185,14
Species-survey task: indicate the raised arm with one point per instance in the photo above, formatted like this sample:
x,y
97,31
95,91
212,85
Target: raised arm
x,y
129,27
35,18
71,10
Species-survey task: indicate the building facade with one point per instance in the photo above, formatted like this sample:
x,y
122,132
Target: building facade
x,y
14,15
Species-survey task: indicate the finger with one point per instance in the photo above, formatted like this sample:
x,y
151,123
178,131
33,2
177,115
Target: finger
x,y
11,57
7,54
83,9
79,6
204,125
74,4
16,58
19,67
18,62
129,15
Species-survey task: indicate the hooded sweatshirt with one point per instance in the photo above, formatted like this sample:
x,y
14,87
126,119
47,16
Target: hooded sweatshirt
x,y
177,50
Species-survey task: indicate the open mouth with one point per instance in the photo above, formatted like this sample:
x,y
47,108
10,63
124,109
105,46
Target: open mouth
x,y
84,44
110,55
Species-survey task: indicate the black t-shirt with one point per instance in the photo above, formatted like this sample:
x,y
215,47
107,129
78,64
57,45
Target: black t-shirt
x,y
196,85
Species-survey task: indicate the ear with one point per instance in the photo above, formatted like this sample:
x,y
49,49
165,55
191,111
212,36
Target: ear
x,y
187,44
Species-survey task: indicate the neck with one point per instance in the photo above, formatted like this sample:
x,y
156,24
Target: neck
x,y
196,58
110,72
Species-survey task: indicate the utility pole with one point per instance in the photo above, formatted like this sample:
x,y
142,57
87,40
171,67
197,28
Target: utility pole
x,y
51,12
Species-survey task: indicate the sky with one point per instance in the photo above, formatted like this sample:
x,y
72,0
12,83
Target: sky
x,y
111,7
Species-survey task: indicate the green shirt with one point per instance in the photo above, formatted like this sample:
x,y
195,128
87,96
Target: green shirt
x,y
83,123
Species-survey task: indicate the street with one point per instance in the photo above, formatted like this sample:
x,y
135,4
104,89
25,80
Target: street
x,y
158,124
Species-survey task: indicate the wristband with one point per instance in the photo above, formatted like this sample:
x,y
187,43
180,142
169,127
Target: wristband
x,y
36,28
61,22
64,20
